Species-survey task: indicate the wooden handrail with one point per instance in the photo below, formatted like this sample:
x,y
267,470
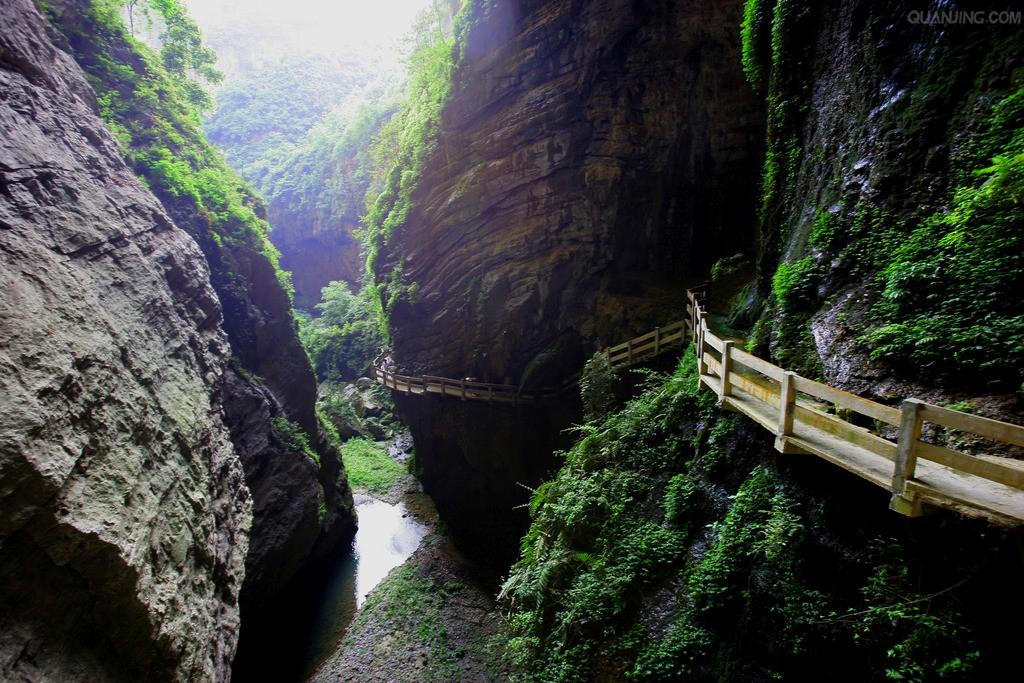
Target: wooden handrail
x,y
914,471
988,486
634,351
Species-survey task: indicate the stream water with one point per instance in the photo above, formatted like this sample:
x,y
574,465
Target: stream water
x,y
306,623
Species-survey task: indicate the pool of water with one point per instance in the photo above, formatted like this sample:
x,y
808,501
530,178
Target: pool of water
x,y
306,623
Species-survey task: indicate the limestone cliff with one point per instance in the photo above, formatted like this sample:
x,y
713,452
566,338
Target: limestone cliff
x,y
314,254
124,509
300,506
593,159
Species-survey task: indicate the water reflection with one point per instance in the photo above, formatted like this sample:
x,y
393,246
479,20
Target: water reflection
x,y
307,622
387,536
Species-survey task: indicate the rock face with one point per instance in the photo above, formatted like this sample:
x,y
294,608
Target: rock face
x,y
887,115
314,255
298,507
594,159
592,156
124,516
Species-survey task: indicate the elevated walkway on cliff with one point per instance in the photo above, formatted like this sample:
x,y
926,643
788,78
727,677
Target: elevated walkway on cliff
x,y
808,417
643,348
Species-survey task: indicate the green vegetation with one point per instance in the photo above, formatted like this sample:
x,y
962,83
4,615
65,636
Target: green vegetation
x,y
409,607
792,283
755,39
262,118
728,266
597,387
912,636
343,341
184,55
369,467
156,122
325,179
950,301
293,437
631,569
944,280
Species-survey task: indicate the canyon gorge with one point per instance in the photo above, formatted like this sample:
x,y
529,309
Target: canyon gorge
x,y
207,276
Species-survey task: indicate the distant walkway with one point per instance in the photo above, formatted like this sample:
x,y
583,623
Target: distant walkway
x,y
914,471
637,350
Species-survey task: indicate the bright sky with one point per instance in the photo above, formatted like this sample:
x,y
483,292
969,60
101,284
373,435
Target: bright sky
x,y
328,27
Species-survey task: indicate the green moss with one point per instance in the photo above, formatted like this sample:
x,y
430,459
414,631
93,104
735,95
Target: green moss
x,y
793,284
950,304
369,467
755,33
293,437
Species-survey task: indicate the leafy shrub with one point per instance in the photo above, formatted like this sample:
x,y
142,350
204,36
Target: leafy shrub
x,y
793,284
343,341
729,265
950,301
293,437
917,639
597,387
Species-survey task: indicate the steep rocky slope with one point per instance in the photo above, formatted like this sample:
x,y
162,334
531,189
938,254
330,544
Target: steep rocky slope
x,y
592,160
152,378
301,499
125,515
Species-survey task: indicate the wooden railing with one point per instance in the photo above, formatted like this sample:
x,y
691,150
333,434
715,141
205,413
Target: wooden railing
x,y
806,416
648,345
466,389
796,409
644,347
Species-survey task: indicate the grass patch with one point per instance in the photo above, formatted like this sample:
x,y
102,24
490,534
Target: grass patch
x,y
369,467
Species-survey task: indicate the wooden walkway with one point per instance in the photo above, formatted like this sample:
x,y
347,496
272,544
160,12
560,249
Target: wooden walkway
x,y
465,389
805,417
802,414
638,350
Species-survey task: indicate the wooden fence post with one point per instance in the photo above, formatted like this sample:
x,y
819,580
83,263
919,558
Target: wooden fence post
x,y
657,340
787,402
906,459
702,367
723,386
629,351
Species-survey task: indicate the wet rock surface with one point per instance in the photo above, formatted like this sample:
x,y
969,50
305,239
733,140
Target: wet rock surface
x,y
124,512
